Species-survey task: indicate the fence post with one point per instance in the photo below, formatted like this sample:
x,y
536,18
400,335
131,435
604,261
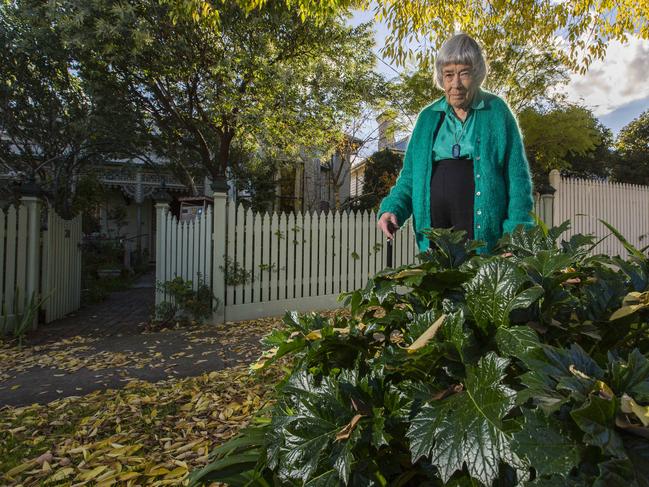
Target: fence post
x,y
162,199
219,248
30,198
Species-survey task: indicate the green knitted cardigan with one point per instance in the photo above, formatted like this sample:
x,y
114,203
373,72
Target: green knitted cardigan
x,y
503,187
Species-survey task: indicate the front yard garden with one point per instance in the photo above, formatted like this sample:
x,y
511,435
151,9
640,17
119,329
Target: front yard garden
x,y
526,367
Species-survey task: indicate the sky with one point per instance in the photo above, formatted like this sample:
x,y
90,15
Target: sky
x,y
616,89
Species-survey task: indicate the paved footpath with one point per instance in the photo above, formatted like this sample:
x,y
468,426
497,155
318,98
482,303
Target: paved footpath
x,y
106,345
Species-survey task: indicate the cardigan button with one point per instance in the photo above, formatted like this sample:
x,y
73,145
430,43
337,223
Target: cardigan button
x,y
477,158
479,212
478,225
478,193
477,175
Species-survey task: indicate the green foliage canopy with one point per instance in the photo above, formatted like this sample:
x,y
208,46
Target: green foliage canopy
x,y
633,148
265,83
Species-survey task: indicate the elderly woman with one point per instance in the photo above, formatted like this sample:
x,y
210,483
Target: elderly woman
x,y
465,166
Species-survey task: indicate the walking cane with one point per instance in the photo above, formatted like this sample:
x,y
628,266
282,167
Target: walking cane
x,y
392,231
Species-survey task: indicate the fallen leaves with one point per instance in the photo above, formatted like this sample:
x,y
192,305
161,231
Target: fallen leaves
x,y
151,434
145,433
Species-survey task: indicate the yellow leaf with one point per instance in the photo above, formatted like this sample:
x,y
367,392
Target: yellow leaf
x,y
629,406
20,468
314,335
344,433
632,302
577,373
427,336
61,474
177,472
604,389
406,273
258,365
189,445
157,470
128,475
91,474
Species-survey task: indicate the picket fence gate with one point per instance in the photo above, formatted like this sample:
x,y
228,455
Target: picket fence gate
x,y
43,262
183,249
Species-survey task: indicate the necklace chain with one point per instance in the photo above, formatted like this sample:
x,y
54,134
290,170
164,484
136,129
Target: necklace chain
x,y
458,138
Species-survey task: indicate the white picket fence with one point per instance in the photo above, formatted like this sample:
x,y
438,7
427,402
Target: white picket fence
x,y
44,263
302,261
585,202
183,249
261,264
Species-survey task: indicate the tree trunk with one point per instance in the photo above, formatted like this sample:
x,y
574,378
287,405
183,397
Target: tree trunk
x,y
224,154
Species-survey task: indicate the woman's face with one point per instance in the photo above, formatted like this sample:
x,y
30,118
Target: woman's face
x,y
459,85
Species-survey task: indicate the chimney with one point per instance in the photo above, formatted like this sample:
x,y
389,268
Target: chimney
x,y
386,129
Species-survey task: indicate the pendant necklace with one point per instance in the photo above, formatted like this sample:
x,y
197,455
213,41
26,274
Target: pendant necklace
x,y
456,146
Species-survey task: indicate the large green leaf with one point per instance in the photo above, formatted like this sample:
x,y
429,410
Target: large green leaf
x,y
630,376
529,241
496,290
304,428
636,254
516,341
556,375
556,481
637,449
235,461
637,273
596,419
450,248
466,428
546,263
603,295
545,446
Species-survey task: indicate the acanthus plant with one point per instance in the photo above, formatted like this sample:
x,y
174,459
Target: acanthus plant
x,y
524,367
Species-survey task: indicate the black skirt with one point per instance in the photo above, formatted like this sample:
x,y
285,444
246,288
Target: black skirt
x,y
451,195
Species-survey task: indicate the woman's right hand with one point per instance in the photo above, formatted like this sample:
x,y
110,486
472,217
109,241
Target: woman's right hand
x,y
388,224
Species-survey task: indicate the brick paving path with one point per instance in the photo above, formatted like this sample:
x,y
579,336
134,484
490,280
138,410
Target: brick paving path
x,y
112,327
122,313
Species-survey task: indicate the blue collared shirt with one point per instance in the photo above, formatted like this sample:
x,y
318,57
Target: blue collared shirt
x,y
453,131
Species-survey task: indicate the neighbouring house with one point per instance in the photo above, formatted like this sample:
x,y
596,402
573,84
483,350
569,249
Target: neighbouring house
x,y
318,184
386,141
132,190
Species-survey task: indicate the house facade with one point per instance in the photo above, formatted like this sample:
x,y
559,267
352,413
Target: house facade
x,y
318,184
128,209
386,141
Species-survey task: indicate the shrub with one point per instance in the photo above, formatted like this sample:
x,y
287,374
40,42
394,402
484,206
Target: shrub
x,y
463,370
186,302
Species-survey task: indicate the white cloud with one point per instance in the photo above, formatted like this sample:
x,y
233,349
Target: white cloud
x,y
622,77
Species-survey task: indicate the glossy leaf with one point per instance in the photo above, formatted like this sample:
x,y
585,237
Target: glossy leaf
x,y
466,428
545,446
496,290
516,341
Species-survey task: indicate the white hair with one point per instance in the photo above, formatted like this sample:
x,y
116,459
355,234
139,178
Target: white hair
x,y
461,49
